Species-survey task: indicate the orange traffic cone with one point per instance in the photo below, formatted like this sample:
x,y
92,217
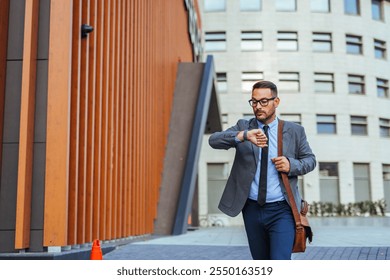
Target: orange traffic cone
x,y
96,252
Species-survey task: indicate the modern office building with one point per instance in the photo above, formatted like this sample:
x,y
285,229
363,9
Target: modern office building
x,y
331,63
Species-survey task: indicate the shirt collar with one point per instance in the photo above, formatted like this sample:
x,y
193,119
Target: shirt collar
x,y
271,125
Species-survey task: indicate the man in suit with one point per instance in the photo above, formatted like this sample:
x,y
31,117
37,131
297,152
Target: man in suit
x,y
255,186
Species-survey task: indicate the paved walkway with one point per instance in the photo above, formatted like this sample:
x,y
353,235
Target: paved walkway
x,y
334,239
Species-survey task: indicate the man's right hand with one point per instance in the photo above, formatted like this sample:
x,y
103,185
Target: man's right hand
x,y
257,137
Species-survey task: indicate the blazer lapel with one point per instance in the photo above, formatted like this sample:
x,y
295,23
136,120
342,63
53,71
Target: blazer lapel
x,y
256,152
287,136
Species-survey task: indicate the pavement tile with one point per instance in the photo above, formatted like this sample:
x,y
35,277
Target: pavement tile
x,y
335,239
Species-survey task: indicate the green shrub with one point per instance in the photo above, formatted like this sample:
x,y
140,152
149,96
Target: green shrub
x,y
362,208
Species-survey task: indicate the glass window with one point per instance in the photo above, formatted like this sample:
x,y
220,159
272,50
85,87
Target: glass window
x,y
287,41
356,84
328,169
358,125
386,172
352,7
322,42
382,88
215,41
222,82
251,41
224,119
289,82
361,173
286,5
354,44
320,6
380,49
376,10
329,182
247,116
214,5
296,118
217,174
248,79
326,124
323,82
250,5
384,127
386,184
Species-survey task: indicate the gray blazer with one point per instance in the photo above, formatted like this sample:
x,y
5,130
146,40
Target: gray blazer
x,y
295,148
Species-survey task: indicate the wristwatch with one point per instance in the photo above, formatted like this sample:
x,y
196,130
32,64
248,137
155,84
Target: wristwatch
x,y
245,135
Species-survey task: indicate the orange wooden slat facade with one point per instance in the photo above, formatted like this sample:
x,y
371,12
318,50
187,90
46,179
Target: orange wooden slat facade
x,y
122,79
26,134
58,138
109,102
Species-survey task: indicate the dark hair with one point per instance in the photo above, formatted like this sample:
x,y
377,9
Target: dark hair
x,y
266,84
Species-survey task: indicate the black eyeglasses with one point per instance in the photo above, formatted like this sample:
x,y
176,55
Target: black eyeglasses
x,y
263,102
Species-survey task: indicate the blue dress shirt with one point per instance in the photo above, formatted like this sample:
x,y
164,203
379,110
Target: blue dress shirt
x,y
274,191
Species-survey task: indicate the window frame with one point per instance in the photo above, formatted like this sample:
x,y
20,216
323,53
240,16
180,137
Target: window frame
x,y
252,40
361,84
326,123
209,41
380,47
282,40
381,12
318,80
328,10
222,82
384,126
382,84
359,124
250,9
284,79
322,41
249,78
295,118
215,10
278,3
352,42
356,5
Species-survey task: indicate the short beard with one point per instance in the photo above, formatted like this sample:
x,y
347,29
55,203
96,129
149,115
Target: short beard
x,y
269,118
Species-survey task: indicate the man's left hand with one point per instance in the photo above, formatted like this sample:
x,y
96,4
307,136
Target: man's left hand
x,y
282,164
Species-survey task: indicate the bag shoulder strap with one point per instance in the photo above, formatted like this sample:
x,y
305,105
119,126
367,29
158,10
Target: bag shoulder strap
x,y
297,217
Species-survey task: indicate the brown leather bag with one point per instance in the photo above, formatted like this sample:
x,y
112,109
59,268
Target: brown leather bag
x,y
302,228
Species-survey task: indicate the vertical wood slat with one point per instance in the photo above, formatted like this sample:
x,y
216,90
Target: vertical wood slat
x,y
74,123
104,167
110,95
99,21
26,135
82,199
58,122
90,184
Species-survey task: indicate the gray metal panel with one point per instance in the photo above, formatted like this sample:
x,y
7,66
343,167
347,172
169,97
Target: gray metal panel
x,y
36,241
12,102
44,27
195,111
38,186
191,166
185,98
41,102
16,29
7,241
8,187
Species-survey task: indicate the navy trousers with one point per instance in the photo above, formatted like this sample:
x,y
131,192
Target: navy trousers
x,y
270,230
